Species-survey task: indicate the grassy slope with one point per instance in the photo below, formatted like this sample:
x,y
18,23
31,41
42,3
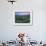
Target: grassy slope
x,y
22,19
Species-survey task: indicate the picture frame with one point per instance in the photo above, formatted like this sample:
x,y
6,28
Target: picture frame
x,y
23,18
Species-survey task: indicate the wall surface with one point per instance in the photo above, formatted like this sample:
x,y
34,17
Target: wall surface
x,y
8,31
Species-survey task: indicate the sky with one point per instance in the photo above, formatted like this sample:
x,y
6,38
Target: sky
x,y
22,13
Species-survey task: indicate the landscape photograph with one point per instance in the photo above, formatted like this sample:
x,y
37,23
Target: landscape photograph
x,y
22,17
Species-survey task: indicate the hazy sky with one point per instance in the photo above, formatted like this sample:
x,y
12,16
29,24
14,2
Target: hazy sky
x,y
22,13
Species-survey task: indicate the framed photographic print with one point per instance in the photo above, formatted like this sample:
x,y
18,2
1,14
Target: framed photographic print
x,y
23,17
